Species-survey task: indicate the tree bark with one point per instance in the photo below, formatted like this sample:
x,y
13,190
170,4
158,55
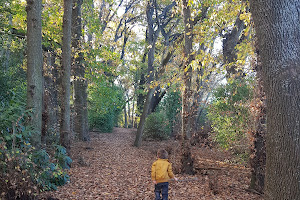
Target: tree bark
x,y
35,68
50,112
65,129
80,82
196,99
278,31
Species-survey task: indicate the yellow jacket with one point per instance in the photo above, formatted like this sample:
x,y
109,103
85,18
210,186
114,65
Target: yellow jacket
x,y
161,171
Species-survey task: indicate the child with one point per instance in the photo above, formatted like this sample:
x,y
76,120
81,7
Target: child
x,y
161,173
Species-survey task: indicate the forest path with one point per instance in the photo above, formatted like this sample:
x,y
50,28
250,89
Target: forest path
x,y
109,167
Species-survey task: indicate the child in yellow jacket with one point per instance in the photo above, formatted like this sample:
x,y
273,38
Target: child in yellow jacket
x,y
161,173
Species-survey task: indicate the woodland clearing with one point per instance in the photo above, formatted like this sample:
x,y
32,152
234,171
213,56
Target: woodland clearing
x,y
110,167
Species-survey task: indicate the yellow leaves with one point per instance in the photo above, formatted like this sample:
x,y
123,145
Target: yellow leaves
x,y
18,168
186,69
246,17
247,30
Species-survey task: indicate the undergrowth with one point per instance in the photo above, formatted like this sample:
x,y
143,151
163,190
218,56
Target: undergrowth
x,y
24,169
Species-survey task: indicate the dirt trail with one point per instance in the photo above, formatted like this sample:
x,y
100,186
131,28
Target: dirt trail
x,y
109,167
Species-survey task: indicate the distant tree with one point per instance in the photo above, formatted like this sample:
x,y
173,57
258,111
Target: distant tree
x,y
34,68
154,28
151,40
278,32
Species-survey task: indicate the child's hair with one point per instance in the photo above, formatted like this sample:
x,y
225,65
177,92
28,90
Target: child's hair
x,y
162,154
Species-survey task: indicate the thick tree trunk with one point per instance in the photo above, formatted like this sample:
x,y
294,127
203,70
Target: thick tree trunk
x,y
35,68
278,31
187,70
65,129
80,82
187,164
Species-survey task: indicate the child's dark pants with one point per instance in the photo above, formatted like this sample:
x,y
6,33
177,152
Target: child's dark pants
x,y
161,188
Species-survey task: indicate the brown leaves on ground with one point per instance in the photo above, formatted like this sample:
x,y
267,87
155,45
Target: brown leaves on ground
x,y
109,167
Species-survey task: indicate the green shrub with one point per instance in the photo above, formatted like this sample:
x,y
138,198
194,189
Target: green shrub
x,y
22,167
171,106
105,106
156,127
102,122
229,113
49,173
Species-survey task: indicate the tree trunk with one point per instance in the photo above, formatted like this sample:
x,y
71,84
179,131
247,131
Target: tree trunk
x,y
196,99
187,69
187,161
65,130
125,118
128,106
229,49
156,99
141,96
35,68
139,134
278,31
80,82
132,115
